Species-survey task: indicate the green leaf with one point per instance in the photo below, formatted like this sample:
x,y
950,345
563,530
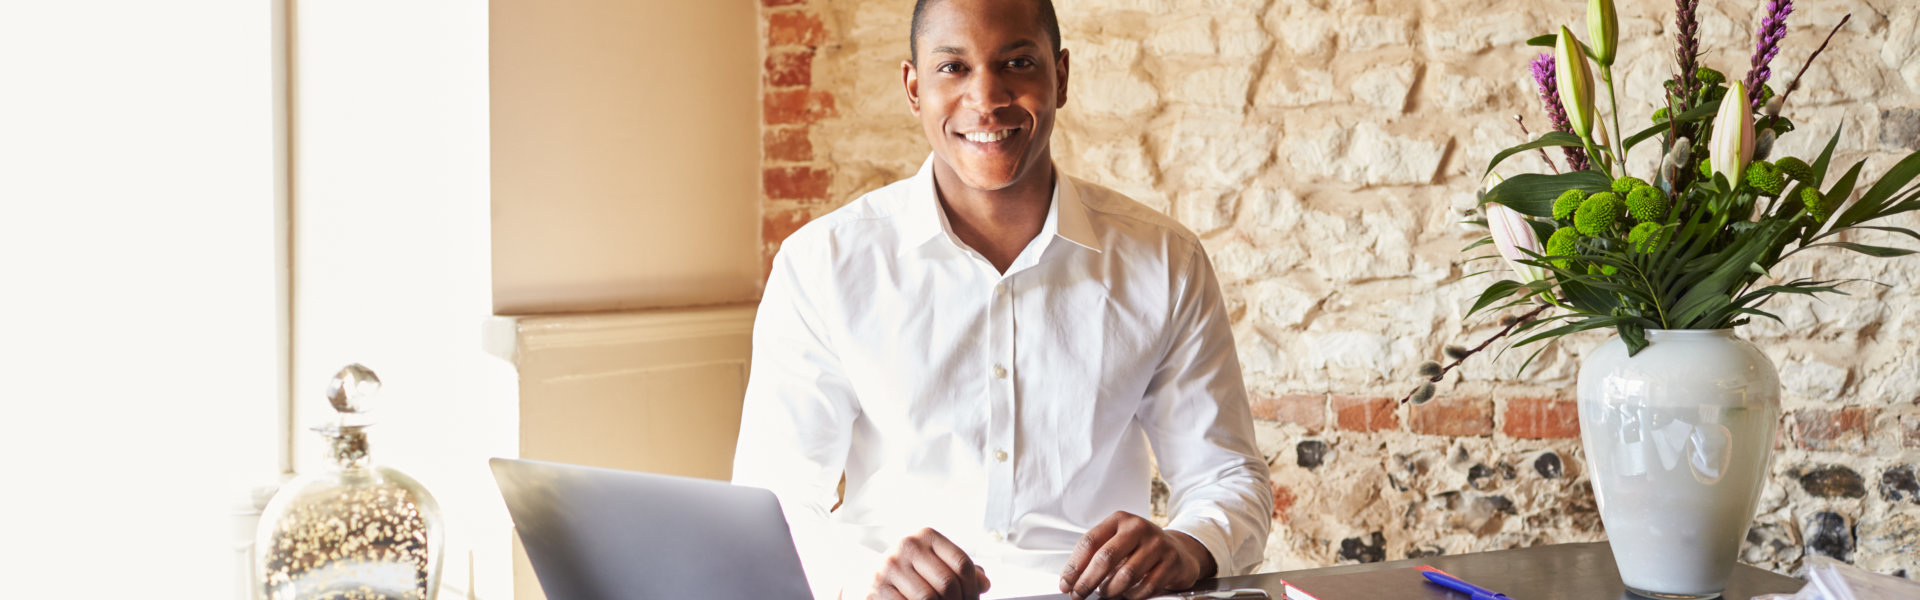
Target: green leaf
x,y
1499,289
1696,113
1880,251
1900,230
1826,157
1543,40
1532,193
1547,140
1481,242
1892,181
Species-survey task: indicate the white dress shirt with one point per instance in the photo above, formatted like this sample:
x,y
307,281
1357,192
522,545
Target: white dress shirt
x,y
1010,411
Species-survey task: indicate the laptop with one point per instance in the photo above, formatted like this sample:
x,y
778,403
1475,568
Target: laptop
x,y
596,534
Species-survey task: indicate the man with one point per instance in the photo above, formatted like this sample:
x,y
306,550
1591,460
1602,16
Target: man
x,y
987,351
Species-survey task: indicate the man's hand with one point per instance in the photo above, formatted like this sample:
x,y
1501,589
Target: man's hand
x,y
926,566
1127,556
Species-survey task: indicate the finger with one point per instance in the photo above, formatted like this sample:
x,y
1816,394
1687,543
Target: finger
x,y
902,574
1083,552
936,573
1109,556
981,573
955,560
1153,582
1134,569
882,591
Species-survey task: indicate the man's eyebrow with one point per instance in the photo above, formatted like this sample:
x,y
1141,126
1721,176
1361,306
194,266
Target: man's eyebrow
x,y
1020,45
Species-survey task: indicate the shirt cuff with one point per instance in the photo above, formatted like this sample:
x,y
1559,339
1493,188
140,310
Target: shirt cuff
x,y
1213,538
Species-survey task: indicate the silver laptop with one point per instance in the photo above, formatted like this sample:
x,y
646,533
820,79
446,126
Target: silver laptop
x,y
597,534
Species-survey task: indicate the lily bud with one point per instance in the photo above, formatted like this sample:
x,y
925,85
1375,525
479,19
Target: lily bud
x,y
1732,145
1603,25
1512,233
1575,80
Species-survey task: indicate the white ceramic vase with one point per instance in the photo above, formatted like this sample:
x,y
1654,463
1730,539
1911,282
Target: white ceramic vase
x,y
1678,441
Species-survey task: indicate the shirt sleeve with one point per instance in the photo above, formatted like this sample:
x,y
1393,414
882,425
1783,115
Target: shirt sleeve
x,y
796,424
1197,419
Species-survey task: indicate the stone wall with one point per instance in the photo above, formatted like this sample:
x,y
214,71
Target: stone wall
x,y
1326,151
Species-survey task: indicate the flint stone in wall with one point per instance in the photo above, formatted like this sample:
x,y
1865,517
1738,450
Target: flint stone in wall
x,y
1213,149
1207,210
1902,47
1223,86
1286,87
1307,35
1833,481
1814,380
1386,87
1371,32
1829,534
1900,128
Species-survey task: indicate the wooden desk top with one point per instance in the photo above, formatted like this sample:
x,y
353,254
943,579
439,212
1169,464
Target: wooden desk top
x,y
1557,572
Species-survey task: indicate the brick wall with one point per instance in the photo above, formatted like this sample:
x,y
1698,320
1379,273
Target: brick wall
x,y
1326,150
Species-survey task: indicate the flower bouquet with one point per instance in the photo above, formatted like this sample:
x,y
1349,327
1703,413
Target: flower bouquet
x,y
1677,415
1693,244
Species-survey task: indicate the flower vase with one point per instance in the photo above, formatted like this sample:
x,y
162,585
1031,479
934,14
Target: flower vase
x,y
1678,440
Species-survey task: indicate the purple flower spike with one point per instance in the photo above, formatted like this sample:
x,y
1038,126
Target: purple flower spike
x,y
1543,76
1766,45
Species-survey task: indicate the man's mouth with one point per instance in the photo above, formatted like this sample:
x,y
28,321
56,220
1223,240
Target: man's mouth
x,y
988,137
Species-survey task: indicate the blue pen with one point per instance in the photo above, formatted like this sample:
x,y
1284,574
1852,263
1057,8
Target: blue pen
x,y
1455,584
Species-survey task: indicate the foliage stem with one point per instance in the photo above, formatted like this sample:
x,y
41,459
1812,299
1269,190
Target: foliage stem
x,y
1483,345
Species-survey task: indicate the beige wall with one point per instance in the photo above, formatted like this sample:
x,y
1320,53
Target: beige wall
x,y
624,138
1326,151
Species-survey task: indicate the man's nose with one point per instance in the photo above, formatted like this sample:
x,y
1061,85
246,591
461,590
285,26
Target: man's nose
x,y
988,90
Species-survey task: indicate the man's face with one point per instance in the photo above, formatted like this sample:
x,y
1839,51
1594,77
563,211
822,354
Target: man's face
x,y
985,83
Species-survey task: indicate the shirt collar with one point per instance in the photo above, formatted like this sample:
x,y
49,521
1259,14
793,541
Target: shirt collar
x,y
924,222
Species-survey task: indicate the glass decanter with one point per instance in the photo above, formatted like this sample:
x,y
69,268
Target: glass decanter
x,y
356,531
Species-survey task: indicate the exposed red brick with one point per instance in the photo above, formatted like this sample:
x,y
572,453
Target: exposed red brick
x,y
1283,500
776,226
1305,410
1364,413
788,68
1832,429
1454,417
796,106
790,144
773,3
1542,419
795,183
795,28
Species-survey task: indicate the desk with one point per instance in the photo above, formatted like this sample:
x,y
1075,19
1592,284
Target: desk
x,y
1556,572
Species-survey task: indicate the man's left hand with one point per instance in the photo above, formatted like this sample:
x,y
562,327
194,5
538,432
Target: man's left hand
x,y
1127,556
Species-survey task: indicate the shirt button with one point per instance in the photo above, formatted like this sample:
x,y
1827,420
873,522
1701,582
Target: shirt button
x,y
999,372
1000,455
1000,290
997,536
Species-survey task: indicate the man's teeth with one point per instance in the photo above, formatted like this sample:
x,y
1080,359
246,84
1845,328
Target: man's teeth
x,y
988,137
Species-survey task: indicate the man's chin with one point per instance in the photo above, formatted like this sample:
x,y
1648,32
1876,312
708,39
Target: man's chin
x,y
988,177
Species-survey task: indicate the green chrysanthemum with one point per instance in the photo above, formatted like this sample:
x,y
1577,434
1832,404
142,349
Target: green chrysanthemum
x,y
1625,185
1602,269
1796,169
1568,202
1647,204
1660,115
1763,176
1562,244
1648,237
1599,213
1817,205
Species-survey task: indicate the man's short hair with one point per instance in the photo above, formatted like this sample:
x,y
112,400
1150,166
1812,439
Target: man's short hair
x,y
1048,21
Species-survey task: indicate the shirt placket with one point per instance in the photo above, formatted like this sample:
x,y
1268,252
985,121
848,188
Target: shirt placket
x,y
1000,403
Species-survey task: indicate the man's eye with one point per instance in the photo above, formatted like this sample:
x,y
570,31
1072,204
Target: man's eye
x,y
949,68
1020,63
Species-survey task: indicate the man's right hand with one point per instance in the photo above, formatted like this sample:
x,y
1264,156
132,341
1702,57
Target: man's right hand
x,y
925,566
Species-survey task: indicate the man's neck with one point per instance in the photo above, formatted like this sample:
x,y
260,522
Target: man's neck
x,y
998,224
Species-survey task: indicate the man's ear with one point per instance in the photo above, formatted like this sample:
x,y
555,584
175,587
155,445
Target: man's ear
x,y
1060,67
910,78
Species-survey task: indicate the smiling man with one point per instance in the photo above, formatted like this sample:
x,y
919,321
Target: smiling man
x,y
995,355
